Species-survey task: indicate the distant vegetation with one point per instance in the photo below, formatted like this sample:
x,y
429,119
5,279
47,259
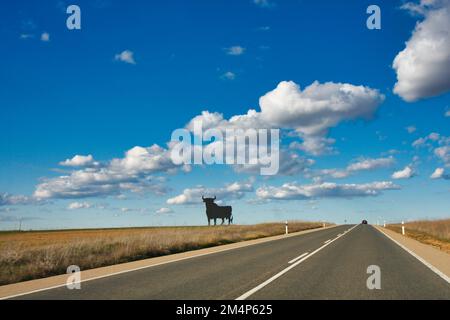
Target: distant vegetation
x,y
433,232
32,255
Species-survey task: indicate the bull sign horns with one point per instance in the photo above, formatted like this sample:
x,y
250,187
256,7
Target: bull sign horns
x,y
213,211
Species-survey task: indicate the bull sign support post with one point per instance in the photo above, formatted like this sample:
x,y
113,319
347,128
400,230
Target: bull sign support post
x,y
287,229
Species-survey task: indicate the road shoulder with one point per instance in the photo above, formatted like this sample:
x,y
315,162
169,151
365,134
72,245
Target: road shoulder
x,y
435,259
27,287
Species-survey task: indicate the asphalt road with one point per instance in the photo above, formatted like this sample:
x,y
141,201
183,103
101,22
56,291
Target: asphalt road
x,y
329,266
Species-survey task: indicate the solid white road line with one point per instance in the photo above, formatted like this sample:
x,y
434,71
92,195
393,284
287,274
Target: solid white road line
x,y
299,257
136,269
328,241
427,264
279,274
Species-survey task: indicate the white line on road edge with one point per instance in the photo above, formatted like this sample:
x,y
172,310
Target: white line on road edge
x,y
149,266
299,257
265,283
328,241
427,264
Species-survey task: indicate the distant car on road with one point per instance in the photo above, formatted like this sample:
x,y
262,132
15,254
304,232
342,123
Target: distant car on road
x,y
364,222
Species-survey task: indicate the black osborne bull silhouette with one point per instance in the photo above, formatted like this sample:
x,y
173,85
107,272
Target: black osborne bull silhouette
x,y
213,211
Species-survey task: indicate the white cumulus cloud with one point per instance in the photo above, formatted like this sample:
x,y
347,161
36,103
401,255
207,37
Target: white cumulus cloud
x,y
425,141
235,50
411,129
423,67
79,205
132,173
294,191
164,211
439,144
443,153
361,164
126,56
438,173
310,112
78,161
229,75
290,164
406,173
7,199
371,164
236,190
45,37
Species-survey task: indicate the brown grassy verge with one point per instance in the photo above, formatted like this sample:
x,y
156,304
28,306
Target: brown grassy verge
x,y
32,255
431,232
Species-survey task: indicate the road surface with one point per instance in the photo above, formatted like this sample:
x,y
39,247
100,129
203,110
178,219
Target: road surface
x,y
327,264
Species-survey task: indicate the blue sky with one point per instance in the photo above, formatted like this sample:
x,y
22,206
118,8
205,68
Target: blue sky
x,y
138,70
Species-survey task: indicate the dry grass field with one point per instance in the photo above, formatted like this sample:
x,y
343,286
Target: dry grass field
x,y
432,232
32,255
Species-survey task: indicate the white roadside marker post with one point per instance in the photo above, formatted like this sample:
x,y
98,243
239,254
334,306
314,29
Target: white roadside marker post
x,y
287,230
403,227
384,224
